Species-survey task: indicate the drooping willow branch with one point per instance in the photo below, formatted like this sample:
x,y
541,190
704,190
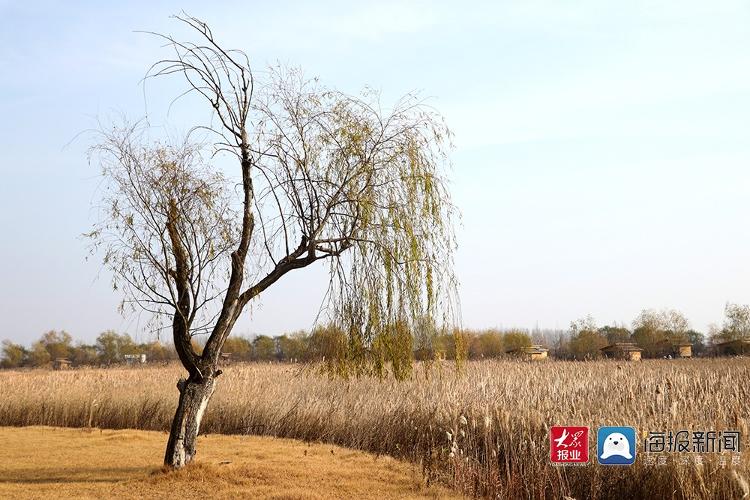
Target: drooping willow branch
x,y
324,176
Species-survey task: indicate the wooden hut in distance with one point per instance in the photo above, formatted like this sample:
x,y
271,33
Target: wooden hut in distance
x,y
530,353
622,350
676,349
61,364
738,347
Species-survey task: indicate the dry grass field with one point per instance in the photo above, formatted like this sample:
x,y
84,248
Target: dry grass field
x,y
47,462
484,432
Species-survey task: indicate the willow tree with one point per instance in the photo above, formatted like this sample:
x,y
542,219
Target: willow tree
x,y
320,176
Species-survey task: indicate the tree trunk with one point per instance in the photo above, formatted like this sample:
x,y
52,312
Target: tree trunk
x,y
194,398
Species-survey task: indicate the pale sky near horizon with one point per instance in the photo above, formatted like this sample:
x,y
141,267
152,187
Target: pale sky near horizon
x,y
601,161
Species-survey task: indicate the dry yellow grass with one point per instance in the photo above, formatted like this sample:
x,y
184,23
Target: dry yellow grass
x,y
48,462
501,450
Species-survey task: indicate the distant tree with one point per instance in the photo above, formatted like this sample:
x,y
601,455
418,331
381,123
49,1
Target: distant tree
x,y
396,345
487,344
444,346
476,350
652,330
156,351
615,333
586,339
83,354
111,346
38,355
291,347
129,346
675,325
587,323
736,324
587,344
648,340
58,344
240,348
698,341
107,347
547,337
561,346
264,348
327,342
515,339
425,334
450,344
14,355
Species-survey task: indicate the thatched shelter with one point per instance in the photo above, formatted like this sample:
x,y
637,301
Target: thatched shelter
x,y
737,347
530,353
676,349
61,364
622,350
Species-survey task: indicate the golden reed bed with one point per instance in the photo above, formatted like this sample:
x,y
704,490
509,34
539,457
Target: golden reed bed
x,y
484,431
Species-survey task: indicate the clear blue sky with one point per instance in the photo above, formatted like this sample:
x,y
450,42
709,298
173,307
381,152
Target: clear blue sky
x,y
602,159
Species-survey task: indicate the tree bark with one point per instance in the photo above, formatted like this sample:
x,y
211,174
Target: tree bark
x,y
194,397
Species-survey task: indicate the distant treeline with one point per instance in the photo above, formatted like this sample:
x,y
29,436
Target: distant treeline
x,y
651,331
322,343
109,348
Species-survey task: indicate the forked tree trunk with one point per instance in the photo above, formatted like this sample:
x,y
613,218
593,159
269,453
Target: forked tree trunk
x,y
194,398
